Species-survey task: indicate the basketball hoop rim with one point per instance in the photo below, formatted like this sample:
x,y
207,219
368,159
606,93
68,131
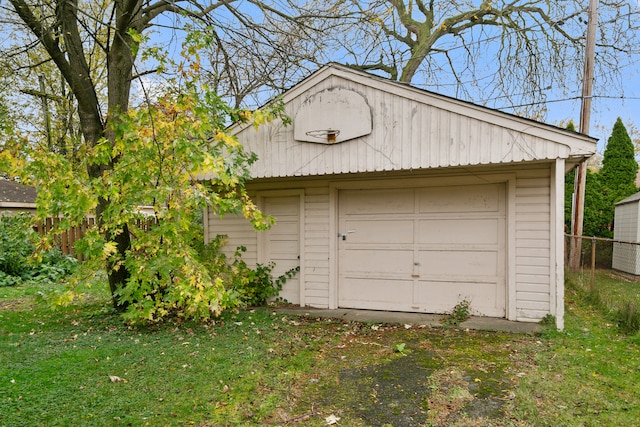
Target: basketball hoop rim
x,y
322,133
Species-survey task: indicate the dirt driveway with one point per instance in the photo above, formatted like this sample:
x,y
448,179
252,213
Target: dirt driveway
x,y
414,375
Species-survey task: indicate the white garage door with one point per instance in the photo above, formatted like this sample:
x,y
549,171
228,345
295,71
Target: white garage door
x,y
423,249
282,242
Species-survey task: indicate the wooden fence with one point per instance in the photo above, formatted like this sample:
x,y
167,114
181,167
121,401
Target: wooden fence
x,y
66,241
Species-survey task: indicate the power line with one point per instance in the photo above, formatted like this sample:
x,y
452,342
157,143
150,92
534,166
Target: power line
x,y
573,98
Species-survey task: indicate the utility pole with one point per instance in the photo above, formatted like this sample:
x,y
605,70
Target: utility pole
x,y
585,118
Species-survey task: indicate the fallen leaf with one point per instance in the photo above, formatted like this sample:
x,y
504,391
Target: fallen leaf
x,y
332,419
509,396
117,379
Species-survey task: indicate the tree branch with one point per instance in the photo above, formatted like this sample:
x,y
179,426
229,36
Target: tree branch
x,y
392,71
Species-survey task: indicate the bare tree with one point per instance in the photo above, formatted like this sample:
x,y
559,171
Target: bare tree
x,y
502,49
255,61
249,74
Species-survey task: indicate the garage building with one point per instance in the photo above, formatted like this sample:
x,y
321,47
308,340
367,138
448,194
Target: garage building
x,y
390,197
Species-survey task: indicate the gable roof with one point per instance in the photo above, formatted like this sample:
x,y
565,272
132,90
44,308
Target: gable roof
x,y
631,199
12,192
411,129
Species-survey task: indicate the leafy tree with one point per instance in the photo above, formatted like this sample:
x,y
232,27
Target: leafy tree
x,y
612,183
619,166
506,50
598,211
148,153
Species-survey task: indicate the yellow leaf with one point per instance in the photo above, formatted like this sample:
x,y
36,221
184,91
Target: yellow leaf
x,y
109,249
245,115
227,139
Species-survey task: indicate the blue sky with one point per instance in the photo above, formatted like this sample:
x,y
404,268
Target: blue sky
x,y
609,102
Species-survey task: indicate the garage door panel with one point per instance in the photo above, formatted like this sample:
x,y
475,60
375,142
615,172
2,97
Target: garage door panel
x,y
284,264
287,228
379,230
441,245
281,206
441,297
459,231
290,291
376,262
386,201
280,246
291,287
286,237
467,198
455,263
377,294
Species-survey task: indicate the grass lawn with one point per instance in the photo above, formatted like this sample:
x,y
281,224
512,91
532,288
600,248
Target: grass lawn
x,y
81,366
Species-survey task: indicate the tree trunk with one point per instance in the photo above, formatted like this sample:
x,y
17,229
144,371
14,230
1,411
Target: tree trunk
x,y
94,127
119,71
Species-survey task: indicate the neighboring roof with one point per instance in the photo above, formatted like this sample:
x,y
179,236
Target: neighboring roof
x,y
410,129
13,192
630,199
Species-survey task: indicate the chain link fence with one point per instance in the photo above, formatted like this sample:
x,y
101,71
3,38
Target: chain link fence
x,y
601,253
618,294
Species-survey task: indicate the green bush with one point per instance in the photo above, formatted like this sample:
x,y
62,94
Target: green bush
x,y
17,260
53,266
9,280
248,286
16,243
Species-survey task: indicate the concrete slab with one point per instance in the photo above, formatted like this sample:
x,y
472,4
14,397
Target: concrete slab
x,y
435,320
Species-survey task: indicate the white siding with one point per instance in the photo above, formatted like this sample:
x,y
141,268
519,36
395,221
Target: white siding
x,y
439,138
412,129
626,257
626,222
316,247
533,243
530,288
239,232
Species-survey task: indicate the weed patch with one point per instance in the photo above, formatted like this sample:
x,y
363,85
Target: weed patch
x,y
458,314
615,296
628,317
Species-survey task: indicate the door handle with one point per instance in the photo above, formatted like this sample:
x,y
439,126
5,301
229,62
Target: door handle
x,y
343,236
